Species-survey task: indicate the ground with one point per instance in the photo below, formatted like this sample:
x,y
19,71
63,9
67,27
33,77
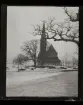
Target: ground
x,y
43,83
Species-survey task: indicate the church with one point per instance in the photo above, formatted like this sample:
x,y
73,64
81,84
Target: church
x,y
47,57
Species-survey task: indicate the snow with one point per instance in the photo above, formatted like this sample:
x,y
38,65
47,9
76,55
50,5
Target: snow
x,y
16,78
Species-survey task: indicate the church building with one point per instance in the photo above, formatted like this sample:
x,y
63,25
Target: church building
x,y
49,57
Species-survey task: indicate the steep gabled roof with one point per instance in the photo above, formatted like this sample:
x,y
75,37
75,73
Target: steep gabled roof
x,y
51,52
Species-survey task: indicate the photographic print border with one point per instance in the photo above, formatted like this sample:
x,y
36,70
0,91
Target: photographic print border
x,y
3,62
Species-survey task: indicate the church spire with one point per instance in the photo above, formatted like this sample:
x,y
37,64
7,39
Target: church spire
x,y
43,44
43,39
43,29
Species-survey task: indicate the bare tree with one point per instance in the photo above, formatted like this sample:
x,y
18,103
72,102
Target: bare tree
x,y
65,31
19,60
75,62
25,60
32,48
65,60
72,18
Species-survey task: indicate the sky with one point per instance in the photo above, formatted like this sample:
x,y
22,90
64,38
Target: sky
x,y
19,26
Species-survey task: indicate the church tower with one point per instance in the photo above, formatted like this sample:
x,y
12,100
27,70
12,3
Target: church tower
x,y
43,45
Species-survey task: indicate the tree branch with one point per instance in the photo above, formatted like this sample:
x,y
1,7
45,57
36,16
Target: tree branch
x,y
71,17
66,40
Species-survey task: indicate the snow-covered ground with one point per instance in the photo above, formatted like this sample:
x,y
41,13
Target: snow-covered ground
x,y
15,78
42,84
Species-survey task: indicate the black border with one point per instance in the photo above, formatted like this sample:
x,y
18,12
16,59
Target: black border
x,y
3,62
3,51
80,74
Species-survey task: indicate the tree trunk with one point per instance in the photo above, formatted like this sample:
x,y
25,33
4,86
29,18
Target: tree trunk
x,y
21,66
73,63
77,43
18,67
25,65
34,63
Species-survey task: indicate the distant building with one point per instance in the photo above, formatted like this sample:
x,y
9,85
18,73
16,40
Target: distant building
x,y
48,57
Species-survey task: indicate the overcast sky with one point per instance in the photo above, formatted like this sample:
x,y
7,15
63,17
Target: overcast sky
x,y
19,21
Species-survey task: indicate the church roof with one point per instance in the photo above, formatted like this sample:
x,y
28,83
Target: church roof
x,y
51,52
